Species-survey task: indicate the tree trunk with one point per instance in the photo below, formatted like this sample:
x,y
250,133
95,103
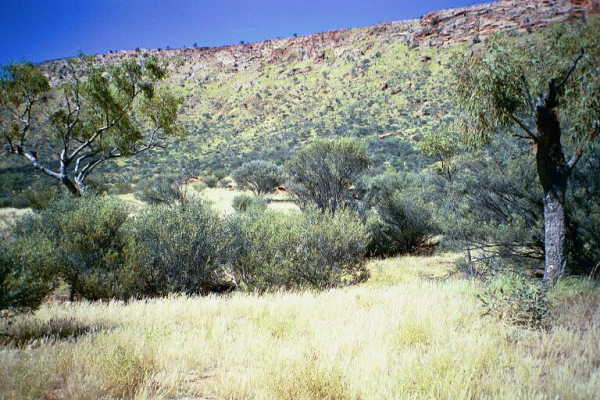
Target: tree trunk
x,y
71,187
554,235
553,173
82,186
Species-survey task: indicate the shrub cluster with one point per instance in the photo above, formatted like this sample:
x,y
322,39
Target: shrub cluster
x,y
245,202
77,241
101,251
291,250
327,173
178,247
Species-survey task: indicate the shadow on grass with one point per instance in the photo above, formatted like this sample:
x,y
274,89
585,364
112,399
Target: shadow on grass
x,y
28,331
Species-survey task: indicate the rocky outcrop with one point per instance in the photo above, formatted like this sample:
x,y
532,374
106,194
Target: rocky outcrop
x,y
472,24
436,29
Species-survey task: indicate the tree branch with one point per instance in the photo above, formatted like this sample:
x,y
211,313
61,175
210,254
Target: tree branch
x,y
33,158
524,127
579,151
573,67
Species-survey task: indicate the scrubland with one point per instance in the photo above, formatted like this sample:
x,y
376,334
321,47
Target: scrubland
x,y
414,330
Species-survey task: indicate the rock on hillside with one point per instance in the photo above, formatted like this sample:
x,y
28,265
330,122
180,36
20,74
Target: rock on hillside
x,y
436,29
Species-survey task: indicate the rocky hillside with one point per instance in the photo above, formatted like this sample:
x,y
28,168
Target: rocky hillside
x,y
266,99
436,29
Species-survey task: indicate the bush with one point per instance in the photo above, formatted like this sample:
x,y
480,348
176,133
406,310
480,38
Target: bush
x,y
274,250
259,176
326,174
21,188
178,247
26,271
81,242
245,202
397,219
211,181
41,196
517,300
162,189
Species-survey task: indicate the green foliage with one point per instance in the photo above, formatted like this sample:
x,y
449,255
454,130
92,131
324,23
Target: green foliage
x,y
259,176
110,112
496,86
19,189
198,186
274,250
211,181
326,173
178,247
19,83
83,243
246,202
517,300
493,203
26,271
397,219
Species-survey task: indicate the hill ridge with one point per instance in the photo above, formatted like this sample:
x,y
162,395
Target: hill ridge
x,y
435,29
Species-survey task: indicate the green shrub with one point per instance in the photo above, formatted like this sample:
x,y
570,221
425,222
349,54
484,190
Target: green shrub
x,y
82,237
178,247
398,226
273,250
26,271
326,174
41,196
397,219
23,189
517,300
162,189
226,183
121,188
246,202
259,176
211,181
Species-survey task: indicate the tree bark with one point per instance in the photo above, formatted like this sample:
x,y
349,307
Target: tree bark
x,y
553,173
71,187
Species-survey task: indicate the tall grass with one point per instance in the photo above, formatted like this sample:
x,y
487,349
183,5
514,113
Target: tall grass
x,y
408,333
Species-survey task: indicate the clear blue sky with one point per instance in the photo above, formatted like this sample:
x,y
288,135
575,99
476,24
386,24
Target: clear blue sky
x,y
38,30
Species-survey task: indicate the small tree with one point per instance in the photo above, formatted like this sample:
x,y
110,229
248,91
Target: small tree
x,y
259,176
327,173
497,88
93,115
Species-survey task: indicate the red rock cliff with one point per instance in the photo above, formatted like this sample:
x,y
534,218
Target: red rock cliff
x,y
477,22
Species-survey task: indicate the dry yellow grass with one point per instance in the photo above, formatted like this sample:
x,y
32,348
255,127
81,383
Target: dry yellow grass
x,y
405,334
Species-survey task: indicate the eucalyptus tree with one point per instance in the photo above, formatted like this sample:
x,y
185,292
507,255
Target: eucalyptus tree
x,y
543,88
92,114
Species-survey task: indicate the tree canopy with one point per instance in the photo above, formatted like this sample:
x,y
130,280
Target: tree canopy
x,y
544,88
92,114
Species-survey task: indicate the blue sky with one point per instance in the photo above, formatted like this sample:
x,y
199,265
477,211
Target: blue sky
x,y
38,30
